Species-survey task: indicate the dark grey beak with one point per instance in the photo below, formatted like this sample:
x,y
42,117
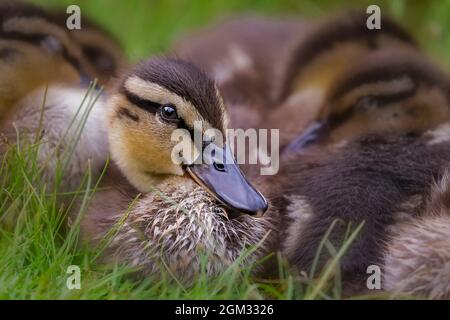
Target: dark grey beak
x,y
223,179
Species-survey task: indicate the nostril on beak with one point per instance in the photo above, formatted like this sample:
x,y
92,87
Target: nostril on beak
x,y
219,167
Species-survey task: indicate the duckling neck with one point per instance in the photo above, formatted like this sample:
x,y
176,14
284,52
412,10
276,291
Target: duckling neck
x,y
143,178
146,182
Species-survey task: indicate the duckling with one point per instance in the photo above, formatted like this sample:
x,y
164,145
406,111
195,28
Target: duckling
x,y
38,50
320,53
34,53
318,58
387,91
205,207
44,83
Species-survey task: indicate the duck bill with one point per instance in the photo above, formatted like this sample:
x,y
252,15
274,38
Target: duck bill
x,y
313,134
223,179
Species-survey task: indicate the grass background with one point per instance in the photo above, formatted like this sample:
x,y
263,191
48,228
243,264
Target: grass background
x,y
36,251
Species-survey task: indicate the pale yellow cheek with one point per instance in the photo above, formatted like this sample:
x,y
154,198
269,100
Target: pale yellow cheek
x,y
145,146
151,152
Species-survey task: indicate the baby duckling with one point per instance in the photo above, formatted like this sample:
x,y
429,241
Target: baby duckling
x,y
194,211
388,91
317,60
43,92
321,53
34,52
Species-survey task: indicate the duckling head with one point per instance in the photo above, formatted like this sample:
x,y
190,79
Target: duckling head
x,y
151,102
324,51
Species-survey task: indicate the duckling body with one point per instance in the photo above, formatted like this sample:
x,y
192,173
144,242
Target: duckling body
x,y
70,128
378,180
417,255
245,65
176,225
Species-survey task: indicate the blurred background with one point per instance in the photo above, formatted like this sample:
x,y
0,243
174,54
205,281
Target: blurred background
x,y
146,27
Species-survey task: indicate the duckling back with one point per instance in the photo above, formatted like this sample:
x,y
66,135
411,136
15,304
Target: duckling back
x,y
244,56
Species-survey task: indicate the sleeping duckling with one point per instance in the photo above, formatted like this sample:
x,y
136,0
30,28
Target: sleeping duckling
x,y
317,60
388,91
44,82
194,211
34,53
36,49
326,48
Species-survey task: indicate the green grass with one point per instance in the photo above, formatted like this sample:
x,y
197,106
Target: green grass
x,y
36,247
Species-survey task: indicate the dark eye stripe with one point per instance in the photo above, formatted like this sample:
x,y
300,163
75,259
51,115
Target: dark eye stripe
x,y
380,101
153,107
146,105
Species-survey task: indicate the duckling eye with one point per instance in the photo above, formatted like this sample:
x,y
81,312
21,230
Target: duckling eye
x,y
169,113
